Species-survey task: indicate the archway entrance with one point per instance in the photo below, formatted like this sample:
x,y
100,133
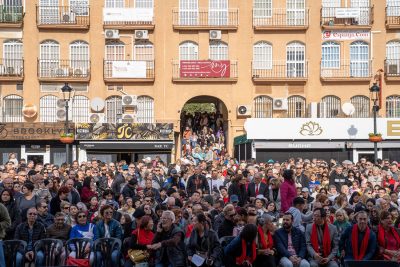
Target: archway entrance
x,y
203,128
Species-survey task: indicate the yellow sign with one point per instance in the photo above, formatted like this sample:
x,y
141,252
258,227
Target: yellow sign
x,y
393,128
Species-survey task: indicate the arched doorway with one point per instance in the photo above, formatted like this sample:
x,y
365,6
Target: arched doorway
x,y
203,126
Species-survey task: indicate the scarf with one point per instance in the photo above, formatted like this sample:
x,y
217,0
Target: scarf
x,y
243,257
326,240
364,243
144,237
262,239
381,236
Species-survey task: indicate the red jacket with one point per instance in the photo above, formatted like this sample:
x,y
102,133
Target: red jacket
x,y
288,193
87,194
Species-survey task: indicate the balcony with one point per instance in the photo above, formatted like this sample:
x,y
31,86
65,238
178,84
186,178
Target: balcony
x,y
205,71
279,71
347,18
11,16
129,71
281,19
204,19
64,70
128,18
392,69
63,17
392,20
11,69
347,71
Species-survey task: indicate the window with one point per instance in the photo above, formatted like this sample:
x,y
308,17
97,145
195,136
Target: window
x,y
218,50
262,9
393,8
12,57
12,108
330,55
295,12
361,103
48,108
331,107
295,60
364,11
218,12
114,4
296,106
80,109
328,8
49,58
188,12
188,51
145,109
115,50
79,56
393,106
144,50
113,109
49,11
144,4
262,56
79,7
262,107
359,59
393,58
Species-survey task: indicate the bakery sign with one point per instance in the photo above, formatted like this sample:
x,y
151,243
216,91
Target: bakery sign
x,y
31,131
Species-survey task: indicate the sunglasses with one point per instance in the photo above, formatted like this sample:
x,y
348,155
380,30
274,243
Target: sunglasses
x,y
82,216
32,213
66,208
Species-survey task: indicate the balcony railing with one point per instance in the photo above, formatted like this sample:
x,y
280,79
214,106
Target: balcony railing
x,y
279,71
60,70
338,17
128,18
392,69
347,70
205,19
281,18
205,70
11,15
11,69
129,70
393,17
77,17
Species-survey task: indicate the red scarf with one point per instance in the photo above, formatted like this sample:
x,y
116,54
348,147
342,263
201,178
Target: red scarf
x,y
242,258
326,240
262,239
364,243
144,237
381,236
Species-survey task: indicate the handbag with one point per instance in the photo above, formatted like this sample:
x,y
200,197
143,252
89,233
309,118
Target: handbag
x,y
138,255
78,262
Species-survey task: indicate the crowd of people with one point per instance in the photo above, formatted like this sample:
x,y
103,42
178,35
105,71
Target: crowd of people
x,y
221,212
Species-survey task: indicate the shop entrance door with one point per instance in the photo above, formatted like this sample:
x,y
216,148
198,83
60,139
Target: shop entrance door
x,y
368,156
125,156
35,158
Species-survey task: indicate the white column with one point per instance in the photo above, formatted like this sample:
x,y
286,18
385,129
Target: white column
x,y
82,156
253,151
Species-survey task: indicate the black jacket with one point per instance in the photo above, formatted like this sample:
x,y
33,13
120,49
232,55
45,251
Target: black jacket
x,y
262,190
171,244
337,180
239,190
22,232
226,228
208,244
192,186
15,217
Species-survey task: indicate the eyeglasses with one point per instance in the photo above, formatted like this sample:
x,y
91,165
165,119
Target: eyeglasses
x,y
66,208
147,200
32,214
108,212
45,207
82,216
189,207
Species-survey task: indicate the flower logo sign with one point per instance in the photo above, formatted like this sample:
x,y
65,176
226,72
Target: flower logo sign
x,y
311,129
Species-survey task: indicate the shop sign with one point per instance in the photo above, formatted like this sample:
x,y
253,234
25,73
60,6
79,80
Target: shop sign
x,y
31,131
343,13
346,35
205,68
124,131
393,128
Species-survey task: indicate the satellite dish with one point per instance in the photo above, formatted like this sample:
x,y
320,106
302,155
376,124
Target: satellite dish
x,y
97,104
348,109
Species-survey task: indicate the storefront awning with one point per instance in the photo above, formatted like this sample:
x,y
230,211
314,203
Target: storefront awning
x,y
126,145
241,139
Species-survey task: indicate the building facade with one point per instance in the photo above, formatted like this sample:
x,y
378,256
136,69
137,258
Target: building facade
x,y
139,61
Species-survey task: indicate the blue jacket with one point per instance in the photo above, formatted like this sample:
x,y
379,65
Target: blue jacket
x,y
298,241
114,227
346,245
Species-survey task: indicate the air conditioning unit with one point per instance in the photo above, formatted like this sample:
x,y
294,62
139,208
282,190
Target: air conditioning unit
x,y
96,117
69,17
312,110
60,111
141,34
322,110
215,35
280,104
392,69
244,110
80,72
129,100
111,34
128,118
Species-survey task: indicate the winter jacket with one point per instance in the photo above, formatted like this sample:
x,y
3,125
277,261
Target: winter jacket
x,y
172,244
288,193
226,228
298,241
192,187
209,244
346,244
114,227
240,191
22,233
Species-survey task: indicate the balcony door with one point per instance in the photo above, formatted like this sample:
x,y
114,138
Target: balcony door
x,y
218,12
359,59
188,51
328,8
49,11
188,12
295,60
49,58
393,8
295,12
144,51
364,10
393,58
79,57
12,58
114,51
114,4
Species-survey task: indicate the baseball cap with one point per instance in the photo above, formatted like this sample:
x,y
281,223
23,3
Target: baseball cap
x,y
305,189
174,171
125,167
234,198
270,161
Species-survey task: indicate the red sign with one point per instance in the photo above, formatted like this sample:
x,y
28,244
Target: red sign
x,y
205,69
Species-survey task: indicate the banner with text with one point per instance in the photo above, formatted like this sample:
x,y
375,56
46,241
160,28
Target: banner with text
x,y
129,69
127,14
205,68
346,35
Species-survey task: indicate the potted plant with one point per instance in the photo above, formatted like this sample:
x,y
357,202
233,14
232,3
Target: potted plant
x,y
67,138
375,137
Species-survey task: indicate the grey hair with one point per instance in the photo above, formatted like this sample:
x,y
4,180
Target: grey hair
x,y
264,219
171,215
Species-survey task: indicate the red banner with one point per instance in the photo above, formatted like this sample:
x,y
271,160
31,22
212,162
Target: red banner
x,y
205,68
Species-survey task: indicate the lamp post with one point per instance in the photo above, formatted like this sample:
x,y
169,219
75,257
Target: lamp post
x,y
66,90
375,90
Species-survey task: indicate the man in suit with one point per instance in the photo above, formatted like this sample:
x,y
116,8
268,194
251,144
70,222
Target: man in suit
x,y
256,188
291,244
322,240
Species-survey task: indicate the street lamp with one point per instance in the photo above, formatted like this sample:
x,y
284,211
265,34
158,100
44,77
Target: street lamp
x,y
66,90
374,92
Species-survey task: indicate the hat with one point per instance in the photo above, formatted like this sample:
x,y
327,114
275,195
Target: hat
x,y
234,198
262,198
360,207
139,213
174,171
270,161
125,167
305,189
